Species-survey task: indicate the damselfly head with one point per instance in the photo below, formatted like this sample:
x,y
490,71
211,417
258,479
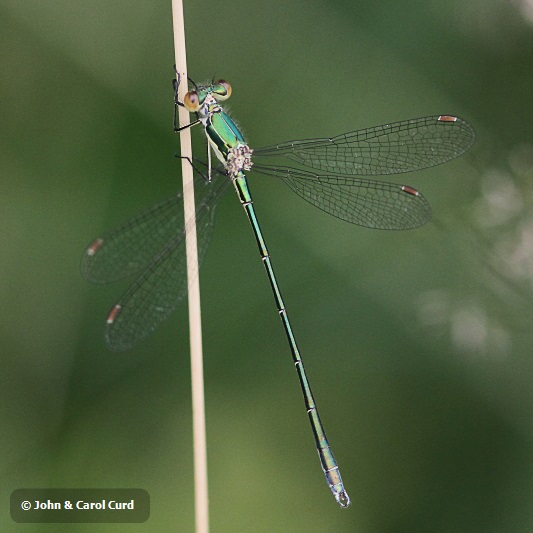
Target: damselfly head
x,y
193,100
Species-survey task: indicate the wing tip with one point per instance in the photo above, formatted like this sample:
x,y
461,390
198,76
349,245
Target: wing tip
x,y
447,118
113,314
94,247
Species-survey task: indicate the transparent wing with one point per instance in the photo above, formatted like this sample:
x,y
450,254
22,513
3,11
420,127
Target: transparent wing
x,y
128,248
152,243
394,148
373,204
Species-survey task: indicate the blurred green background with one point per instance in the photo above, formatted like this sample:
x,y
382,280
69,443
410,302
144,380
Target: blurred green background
x,y
417,344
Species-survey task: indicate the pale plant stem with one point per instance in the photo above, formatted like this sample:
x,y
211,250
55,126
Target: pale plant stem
x,y
195,324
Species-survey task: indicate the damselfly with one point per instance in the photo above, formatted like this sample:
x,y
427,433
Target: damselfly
x,y
152,244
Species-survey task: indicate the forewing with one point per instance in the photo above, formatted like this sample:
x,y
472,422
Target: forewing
x,y
395,148
127,249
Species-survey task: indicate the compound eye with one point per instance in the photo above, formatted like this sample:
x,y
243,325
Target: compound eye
x,y
222,90
191,101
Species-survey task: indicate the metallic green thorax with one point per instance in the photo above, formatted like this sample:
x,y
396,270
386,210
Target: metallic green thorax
x,y
223,133
230,147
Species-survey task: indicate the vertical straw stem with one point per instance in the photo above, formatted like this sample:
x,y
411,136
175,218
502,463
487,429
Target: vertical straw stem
x,y
195,325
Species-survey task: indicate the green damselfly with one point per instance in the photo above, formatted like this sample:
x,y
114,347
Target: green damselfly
x,y
152,244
